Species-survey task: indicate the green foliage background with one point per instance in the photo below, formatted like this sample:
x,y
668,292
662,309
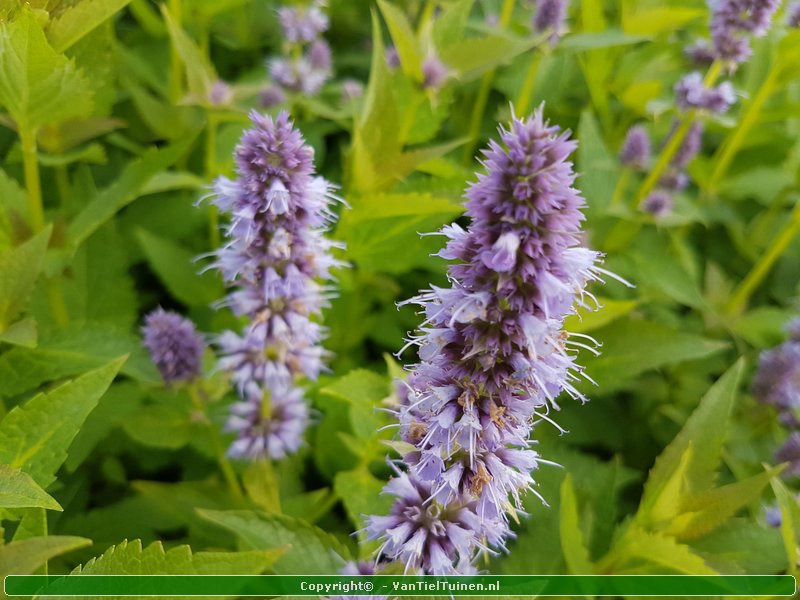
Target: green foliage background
x,y
108,125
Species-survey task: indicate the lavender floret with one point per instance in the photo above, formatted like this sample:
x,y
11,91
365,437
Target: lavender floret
x,y
692,93
174,345
635,152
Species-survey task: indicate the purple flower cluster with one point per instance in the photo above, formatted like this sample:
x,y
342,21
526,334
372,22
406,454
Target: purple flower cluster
x,y
275,256
732,22
434,73
551,16
777,383
635,151
174,345
493,354
692,93
793,15
307,65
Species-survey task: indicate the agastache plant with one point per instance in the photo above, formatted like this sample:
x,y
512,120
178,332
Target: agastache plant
x,y
274,259
174,345
493,354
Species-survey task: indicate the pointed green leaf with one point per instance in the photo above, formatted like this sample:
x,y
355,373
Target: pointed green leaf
x,y
18,490
472,57
19,269
310,550
644,553
24,557
35,436
79,19
705,431
404,40
362,390
38,86
124,190
662,502
360,492
22,333
200,72
572,544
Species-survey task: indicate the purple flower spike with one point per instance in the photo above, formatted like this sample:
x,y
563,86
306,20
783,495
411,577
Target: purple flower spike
x,y
733,20
659,203
423,534
551,16
274,260
493,353
221,94
271,96
635,152
692,93
689,147
392,57
174,345
777,381
700,53
793,15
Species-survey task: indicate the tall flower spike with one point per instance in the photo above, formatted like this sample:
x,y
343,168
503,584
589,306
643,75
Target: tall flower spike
x,y
731,23
275,256
492,349
174,345
551,16
692,93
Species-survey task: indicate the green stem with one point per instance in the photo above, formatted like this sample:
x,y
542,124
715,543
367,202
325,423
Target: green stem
x,y
175,64
32,183
756,276
62,182
665,158
727,151
485,89
621,187
58,306
216,445
526,92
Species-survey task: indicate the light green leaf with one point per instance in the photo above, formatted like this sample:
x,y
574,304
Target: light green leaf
x,y
25,556
69,352
362,390
642,553
124,190
38,86
19,269
177,269
18,490
575,553
662,503
745,546
22,333
310,550
656,20
36,435
79,19
200,72
705,431
472,57
262,485
597,166
702,513
581,42
632,346
382,230
589,320
360,492
404,40
449,26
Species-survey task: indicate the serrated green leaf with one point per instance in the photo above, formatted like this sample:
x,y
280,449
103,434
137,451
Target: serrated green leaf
x,y
575,553
129,558
69,352
25,556
641,552
472,57
124,190
662,502
632,346
38,85
262,486
178,270
598,167
35,436
702,513
18,490
19,270
589,320
382,230
159,426
362,390
79,19
360,492
744,547
310,549
705,432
